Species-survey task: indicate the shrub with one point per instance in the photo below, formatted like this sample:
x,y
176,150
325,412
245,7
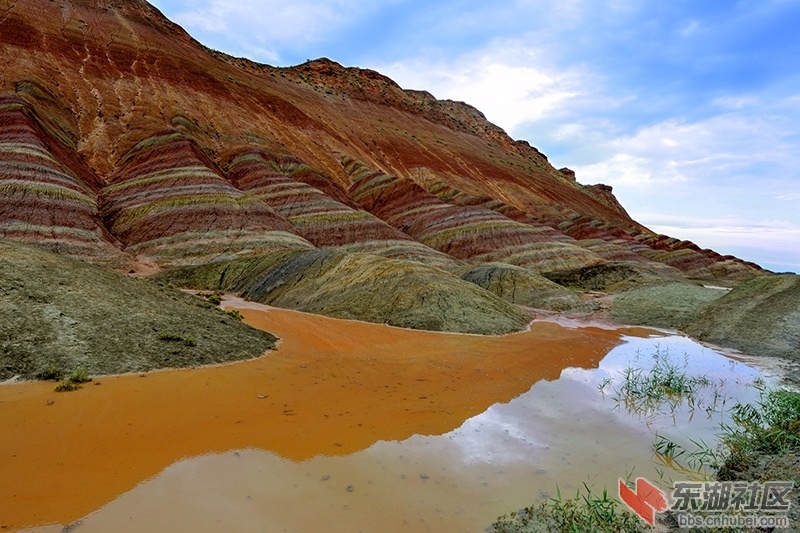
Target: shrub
x,y
80,376
66,385
771,426
51,373
169,337
234,313
188,340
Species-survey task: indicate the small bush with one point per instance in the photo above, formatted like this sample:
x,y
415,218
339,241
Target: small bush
x,y
772,426
80,376
188,340
74,381
51,373
234,313
66,385
214,299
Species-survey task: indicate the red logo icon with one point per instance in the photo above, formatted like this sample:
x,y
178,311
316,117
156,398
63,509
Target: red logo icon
x,y
645,501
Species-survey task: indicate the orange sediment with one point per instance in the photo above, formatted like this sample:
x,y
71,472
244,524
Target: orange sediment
x,y
332,387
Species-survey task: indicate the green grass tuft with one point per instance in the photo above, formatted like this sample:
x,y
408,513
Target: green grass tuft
x,y
67,386
51,373
80,375
234,313
666,384
586,513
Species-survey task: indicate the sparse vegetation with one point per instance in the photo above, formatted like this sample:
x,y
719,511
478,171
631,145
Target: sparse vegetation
x,y
770,427
586,513
234,313
761,443
665,385
80,375
51,373
214,298
187,340
67,386
75,381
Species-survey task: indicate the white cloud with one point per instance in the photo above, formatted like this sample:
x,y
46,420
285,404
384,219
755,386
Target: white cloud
x,y
264,27
627,169
689,28
736,102
504,81
721,147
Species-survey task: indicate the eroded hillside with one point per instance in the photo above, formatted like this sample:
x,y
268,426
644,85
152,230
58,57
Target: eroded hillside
x,y
125,142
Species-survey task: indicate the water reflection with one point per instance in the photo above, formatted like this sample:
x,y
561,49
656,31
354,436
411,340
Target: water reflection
x,y
559,433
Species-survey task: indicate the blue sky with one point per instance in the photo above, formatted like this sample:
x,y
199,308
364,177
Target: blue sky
x,y
689,109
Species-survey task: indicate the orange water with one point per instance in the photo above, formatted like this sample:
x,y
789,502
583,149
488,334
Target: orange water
x,y
332,388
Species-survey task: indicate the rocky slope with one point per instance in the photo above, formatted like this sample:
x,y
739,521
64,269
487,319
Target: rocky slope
x,y
760,317
61,313
361,286
126,143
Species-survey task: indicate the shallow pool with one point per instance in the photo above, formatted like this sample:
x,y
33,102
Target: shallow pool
x,y
560,431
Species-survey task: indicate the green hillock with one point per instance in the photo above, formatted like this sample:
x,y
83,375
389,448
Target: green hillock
x,y
521,286
59,314
759,317
362,287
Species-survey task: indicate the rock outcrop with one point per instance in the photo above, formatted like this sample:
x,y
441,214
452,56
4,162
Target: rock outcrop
x,y
167,202
522,287
468,233
43,199
318,217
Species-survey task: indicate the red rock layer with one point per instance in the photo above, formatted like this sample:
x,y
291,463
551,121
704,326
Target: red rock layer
x,y
694,261
318,217
42,200
464,232
455,196
614,243
169,203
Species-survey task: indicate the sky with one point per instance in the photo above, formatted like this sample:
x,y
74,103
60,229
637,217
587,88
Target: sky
x,y
689,109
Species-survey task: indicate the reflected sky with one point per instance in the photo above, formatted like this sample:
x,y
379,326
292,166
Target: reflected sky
x,y
561,433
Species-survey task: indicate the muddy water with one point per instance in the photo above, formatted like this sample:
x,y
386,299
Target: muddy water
x,y
347,426
333,387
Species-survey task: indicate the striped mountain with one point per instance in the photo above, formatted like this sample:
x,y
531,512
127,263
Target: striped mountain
x,y
125,142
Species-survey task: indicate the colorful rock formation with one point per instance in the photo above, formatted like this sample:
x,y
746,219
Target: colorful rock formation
x,y
168,203
469,233
325,222
42,199
124,141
